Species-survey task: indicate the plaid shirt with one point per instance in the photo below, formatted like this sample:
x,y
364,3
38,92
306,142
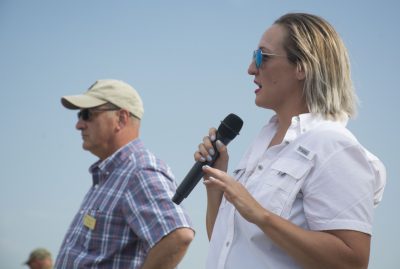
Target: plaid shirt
x,y
129,209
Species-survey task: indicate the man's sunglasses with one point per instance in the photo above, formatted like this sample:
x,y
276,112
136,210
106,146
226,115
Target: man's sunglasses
x,y
259,56
86,114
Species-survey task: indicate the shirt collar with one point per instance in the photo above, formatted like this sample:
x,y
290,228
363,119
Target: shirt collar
x,y
107,165
301,124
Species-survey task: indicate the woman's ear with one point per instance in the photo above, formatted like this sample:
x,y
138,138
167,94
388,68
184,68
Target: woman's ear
x,y
300,72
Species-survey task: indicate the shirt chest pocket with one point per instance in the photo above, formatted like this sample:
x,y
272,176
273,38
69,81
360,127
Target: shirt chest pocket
x,y
278,186
106,230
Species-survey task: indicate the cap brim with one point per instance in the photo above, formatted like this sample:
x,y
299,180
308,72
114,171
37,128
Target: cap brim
x,y
81,101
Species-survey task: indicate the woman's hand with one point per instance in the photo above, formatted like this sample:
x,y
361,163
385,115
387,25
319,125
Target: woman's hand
x,y
235,193
206,151
214,195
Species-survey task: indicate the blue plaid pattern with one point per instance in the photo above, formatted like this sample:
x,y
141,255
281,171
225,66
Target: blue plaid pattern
x,y
131,202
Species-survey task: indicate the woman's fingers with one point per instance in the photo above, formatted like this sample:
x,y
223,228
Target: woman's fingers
x,y
212,172
212,134
209,148
199,157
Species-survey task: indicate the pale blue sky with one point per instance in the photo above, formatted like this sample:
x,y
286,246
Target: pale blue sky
x,y
188,60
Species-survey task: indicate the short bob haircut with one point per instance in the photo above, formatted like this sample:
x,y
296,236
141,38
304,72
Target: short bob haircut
x,y
314,46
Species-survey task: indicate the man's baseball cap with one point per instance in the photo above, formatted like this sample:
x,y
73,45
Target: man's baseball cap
x,y
38,254
104,91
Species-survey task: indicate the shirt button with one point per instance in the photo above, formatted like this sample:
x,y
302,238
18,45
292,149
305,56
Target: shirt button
x,y
260,167
96,186
227,244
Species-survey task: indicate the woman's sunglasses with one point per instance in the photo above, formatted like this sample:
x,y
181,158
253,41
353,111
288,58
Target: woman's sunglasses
x,y
259,56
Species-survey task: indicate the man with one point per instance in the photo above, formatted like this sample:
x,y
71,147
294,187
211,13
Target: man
x,y
40,258
127,218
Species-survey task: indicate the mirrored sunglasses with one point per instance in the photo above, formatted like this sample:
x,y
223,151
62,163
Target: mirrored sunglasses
x,y
259,56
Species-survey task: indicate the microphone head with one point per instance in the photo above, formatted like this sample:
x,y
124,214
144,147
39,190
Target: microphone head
x,y
230,126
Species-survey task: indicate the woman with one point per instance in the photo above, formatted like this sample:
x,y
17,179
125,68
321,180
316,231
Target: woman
x,y
303,195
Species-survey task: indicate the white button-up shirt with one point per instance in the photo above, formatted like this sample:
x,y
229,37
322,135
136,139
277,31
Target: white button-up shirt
x,y
319,178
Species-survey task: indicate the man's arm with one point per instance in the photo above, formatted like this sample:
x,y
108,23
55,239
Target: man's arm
x,y
169,251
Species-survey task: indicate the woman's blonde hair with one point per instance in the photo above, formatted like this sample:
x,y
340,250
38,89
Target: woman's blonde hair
x,y
315,47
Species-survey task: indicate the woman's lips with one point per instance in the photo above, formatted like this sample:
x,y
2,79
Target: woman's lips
x,y
259,87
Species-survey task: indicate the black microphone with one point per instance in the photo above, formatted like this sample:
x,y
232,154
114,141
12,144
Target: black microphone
x,y
227,131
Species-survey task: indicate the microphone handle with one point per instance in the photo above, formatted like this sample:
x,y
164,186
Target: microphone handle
x,y
196,173
190,181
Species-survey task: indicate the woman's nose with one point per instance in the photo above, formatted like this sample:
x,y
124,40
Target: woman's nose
x,y
252,70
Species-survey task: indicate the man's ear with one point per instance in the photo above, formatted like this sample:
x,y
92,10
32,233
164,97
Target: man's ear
x,y
300,72
123,117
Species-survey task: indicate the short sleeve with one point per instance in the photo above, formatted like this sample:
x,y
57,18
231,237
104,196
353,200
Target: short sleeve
x,y
341,195
148,207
